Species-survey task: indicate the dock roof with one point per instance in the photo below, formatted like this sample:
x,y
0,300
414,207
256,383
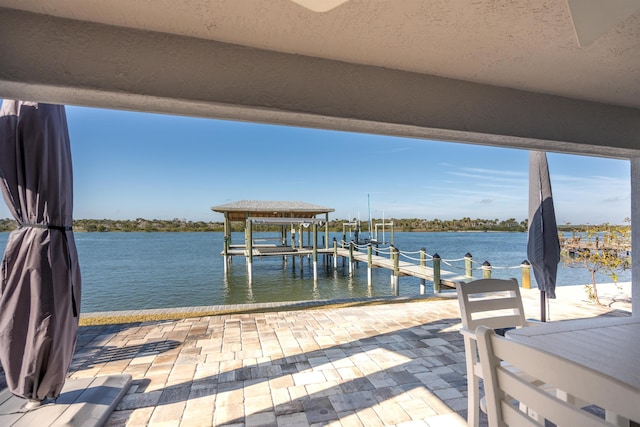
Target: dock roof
x,y
240,210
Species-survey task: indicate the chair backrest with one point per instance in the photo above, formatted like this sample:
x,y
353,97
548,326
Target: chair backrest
x,y
495,303
506,391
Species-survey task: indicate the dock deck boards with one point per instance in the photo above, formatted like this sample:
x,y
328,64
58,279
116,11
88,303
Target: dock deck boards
x,y
405,268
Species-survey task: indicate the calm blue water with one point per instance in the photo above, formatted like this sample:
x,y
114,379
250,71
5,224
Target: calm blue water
x,y
126,271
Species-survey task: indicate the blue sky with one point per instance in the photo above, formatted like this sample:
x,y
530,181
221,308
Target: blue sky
x,y
129,165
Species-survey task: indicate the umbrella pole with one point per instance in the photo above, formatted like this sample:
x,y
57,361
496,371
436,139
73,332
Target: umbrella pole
x,y
543,307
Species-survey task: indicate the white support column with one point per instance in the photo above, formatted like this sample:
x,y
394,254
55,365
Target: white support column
x,y
326,230
315,252
249,248
635,235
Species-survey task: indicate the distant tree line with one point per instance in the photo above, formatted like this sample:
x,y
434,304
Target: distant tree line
x,y
139,224
8,224
404,224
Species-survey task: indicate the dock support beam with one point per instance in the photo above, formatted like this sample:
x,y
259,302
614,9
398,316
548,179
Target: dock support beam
x,y
335,254
423,264
486,270
227,241
326,230
351,258
300,237
395,256
436,273
249,247
315,252
526,274
468,265
369,263
226,253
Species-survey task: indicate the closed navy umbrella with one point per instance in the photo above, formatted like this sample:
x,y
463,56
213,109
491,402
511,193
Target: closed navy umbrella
x,y
40,292
543,245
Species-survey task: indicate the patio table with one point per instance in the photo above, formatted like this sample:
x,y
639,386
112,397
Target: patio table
x,y
607,345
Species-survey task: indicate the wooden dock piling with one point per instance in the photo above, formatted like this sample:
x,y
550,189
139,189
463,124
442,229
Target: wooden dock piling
x,y
468,265
225,253
369,264
249,240
486,270
351,258
436,273
423,264
526,274
395,275
315,252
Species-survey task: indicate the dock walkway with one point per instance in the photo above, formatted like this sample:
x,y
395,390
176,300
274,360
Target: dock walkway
x,y
405,268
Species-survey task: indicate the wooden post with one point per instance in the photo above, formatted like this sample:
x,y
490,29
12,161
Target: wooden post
x,y
369,263
283,234
526,274
351,258
300,238
395,256
468,265
335,253
392,233
486,270
436,273
315,251
423,264
326,230
225,249
249,247
227,226
227,240
284,245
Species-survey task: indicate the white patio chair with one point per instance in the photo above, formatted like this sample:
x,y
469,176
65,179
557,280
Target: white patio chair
x,y
497,304
506,391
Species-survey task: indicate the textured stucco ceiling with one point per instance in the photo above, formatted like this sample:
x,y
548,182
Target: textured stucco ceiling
x,y
522,44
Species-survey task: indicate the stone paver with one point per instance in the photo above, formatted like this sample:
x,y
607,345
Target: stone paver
x,y
369,365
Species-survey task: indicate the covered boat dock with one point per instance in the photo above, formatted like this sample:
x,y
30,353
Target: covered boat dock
x,y
290,217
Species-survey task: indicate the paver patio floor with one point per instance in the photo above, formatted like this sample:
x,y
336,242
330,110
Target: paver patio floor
x,y
365,365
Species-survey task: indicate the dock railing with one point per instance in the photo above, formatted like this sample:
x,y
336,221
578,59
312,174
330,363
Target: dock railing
x,y
442,272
